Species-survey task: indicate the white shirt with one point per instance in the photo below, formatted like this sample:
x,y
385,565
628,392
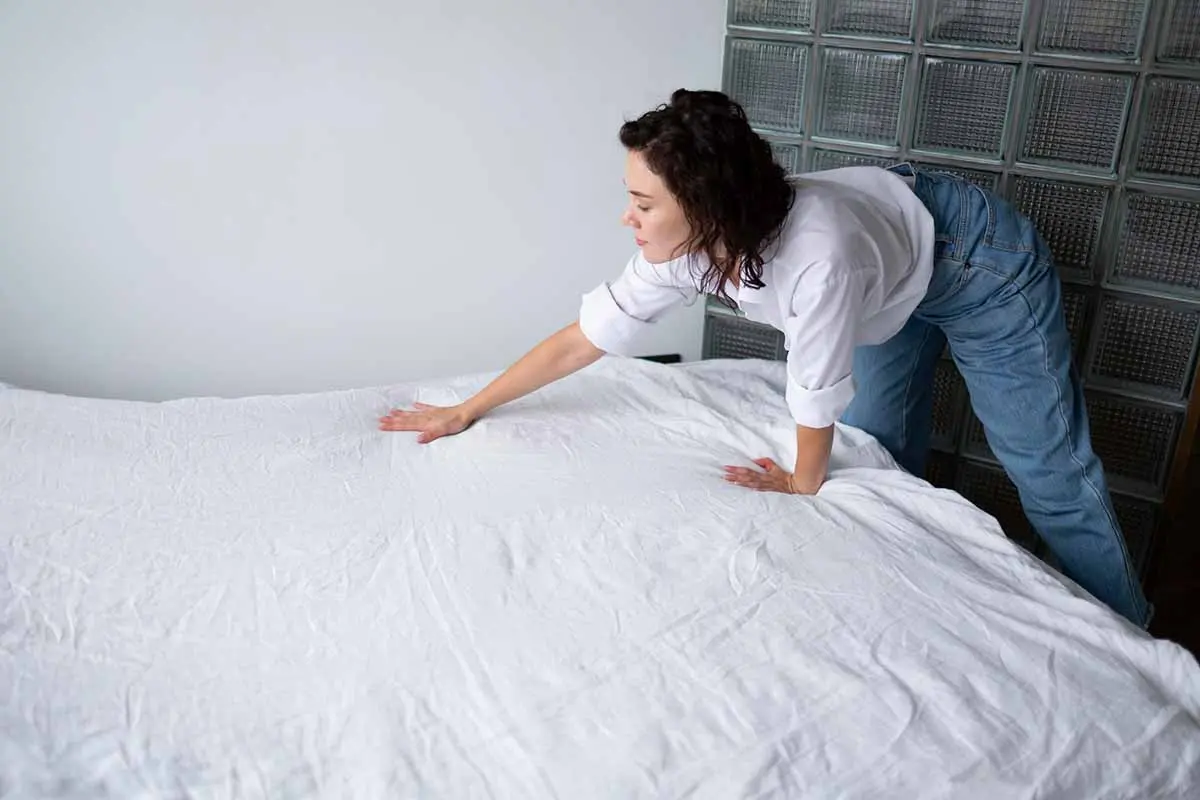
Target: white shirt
x,y
850,265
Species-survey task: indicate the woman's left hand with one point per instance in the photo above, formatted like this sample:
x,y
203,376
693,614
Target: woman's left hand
x,y
773,479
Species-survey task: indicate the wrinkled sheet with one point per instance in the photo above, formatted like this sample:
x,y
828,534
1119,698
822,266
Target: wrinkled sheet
x,y
267,597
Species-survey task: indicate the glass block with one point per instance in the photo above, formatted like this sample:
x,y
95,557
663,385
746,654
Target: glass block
x,y
990,489
792,15
730,337
860,98
1076,117
1147,345
979,177
1135,441
835,159
1169,144
981,23
1181,36
964,105
767,78
975,441
939,470
787,156
1138,519
1097,27
1160,241
1069,217
890,19
1076,301
949,401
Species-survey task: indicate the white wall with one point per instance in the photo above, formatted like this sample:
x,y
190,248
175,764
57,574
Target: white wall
x,y
257,196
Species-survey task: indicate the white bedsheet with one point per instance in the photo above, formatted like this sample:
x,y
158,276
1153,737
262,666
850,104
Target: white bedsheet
x,y
267,597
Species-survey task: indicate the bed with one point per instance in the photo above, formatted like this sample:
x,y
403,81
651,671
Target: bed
x,y
268,598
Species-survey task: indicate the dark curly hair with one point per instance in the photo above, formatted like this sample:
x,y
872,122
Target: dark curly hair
x,y
734,195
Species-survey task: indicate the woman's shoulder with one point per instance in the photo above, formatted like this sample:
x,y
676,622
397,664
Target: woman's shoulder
x,y
820,217
834,219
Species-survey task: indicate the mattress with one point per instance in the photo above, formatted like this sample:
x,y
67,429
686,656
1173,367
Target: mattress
x,y
268,597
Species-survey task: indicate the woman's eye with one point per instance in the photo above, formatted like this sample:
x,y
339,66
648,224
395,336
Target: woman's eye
x,y
643,208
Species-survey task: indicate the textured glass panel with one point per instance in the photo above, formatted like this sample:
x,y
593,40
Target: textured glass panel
x,y
1145,344
939,470
991,490
882,18
835,159
976,443
767,78
730,337
1135,441
1076,117
1100,27
860,98
1170,137
780,14
1075,312
1160,241
979,177
949,397
985,23
1069,216
787,156
964,105
1138,519
1181,37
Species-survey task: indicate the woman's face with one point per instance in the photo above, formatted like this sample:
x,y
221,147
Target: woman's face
x,y
659,226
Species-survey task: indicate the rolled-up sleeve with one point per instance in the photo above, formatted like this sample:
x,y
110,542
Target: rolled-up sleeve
x,y
822,332
613,314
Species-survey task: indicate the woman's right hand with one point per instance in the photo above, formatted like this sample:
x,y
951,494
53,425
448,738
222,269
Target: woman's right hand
x,y
431,422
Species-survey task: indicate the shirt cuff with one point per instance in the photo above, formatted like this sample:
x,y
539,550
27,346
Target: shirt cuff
x,y
819,408
605,324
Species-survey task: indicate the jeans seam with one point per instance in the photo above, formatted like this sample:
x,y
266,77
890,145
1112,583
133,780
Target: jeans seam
x,y
1002,276
1130,584
964,211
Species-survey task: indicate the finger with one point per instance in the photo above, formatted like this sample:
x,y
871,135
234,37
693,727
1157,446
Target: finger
x,y
767,464
740,472
394,424
758,481
744,477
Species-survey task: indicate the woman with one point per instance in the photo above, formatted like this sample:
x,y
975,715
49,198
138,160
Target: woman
x,y
868,272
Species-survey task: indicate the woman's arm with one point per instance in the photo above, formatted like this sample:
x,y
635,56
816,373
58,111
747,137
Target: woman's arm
x,y
813,446
610,317
559,355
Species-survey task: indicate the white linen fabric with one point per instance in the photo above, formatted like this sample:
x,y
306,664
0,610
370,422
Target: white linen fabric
x,y
268,597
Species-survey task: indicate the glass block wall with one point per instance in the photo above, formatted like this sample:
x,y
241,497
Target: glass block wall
x,y
1085,113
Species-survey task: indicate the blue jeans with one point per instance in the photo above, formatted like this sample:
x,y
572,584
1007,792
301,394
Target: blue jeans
x,y
995,296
